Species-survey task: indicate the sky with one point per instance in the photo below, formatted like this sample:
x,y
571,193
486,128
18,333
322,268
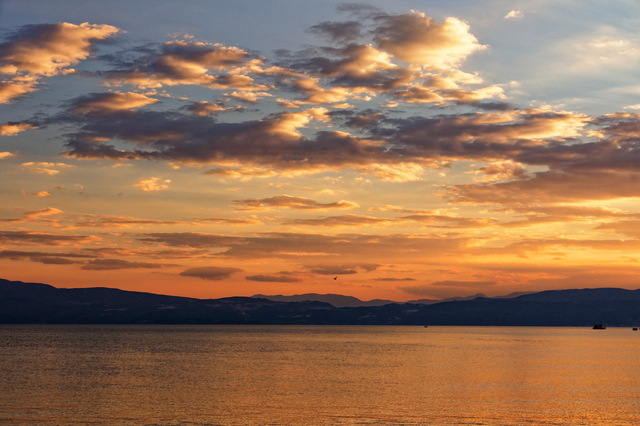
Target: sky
x,y
395,150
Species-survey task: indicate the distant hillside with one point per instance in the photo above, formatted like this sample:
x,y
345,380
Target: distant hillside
x,y
30,303
341,301
337,300
40,303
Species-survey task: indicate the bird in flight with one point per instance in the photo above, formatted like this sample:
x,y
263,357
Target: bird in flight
x,y
335,278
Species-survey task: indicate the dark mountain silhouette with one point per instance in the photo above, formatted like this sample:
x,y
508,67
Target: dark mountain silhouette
x,y
449,299
29,303
337,300
341,301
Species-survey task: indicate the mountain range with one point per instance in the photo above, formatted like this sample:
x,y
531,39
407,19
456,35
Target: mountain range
x,y
29,303
341,301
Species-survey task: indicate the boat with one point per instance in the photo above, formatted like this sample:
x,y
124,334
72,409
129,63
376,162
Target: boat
x,y
599,327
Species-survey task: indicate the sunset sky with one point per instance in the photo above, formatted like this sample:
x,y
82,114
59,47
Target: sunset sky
x,y
412,149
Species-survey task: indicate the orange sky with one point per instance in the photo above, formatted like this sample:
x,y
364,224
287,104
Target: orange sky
x,y
409,153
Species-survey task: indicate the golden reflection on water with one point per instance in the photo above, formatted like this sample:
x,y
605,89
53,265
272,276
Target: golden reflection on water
x,y
318,375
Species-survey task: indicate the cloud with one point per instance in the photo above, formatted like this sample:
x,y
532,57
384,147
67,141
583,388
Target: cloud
x,y
213,273
275,140
344,220
398,172
110,103
55,258
396,150
409,56
514,14
102,221
417,39
370,64
342,269
302,245
248,96
464,284
288,201
430,219
34,215
12,129
552,187
623,227
38,238
390,279
533,215
273,278
338,32
153,184
500,170
116,264
203,108
45,50
6,155
187,62
17,87
230,221
44,167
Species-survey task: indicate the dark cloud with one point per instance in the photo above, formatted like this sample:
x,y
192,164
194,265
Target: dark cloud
x,y
115,264
552,187
464,284
342,269
338,32
96,104
38,238
54,258
273,141
273,278
182,62
294,245
213,273
333,270
390,279
359,9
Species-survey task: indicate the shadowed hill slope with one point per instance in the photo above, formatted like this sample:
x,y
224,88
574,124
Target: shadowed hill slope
x,y
40,303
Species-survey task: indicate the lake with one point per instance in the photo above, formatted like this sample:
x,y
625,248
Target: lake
x,y
237,375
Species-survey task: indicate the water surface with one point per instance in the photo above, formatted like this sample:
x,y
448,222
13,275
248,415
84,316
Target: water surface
x,y
127,374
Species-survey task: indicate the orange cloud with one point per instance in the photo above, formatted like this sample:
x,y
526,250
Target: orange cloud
x,y
188,62
45,50
110,103
417,39
35,215
153,184
344,220
17,87
44,167
12,129
288,201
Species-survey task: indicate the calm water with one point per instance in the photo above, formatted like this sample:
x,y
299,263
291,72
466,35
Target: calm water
x,y
318,375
